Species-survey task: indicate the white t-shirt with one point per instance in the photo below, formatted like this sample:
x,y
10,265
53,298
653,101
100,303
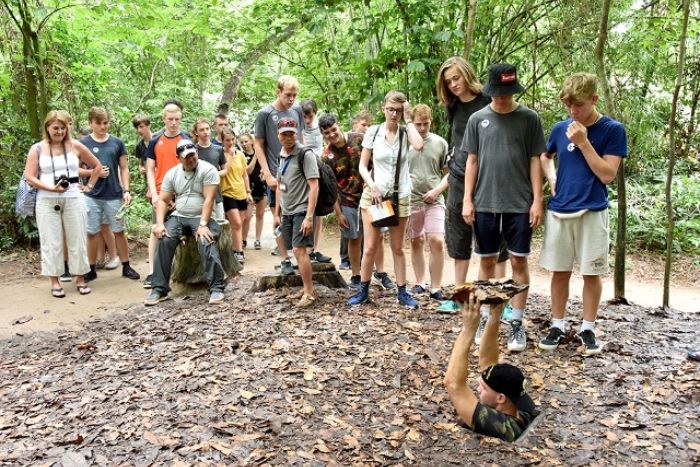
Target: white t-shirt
x,y
384,157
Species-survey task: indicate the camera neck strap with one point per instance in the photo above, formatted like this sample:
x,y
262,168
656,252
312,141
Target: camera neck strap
x,y
65,158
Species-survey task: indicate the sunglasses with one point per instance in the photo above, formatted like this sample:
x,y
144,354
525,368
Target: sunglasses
x,y
185,147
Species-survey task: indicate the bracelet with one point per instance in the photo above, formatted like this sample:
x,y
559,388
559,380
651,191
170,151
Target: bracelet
x,y
126,191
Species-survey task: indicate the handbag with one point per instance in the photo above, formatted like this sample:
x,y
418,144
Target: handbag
x,y
393,219
25,201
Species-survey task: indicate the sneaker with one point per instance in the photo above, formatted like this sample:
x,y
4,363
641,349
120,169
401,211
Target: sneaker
x,y
507,314
418,289
100,264
517,340
240,257
382,280
587,337
406,299
257,245
480,330
361,296
147,281
129,273
155,297
344,265
553,339
216,298
113,263
275,251
449,307
318,257
90,276
355,282
437,295
66,277
286,267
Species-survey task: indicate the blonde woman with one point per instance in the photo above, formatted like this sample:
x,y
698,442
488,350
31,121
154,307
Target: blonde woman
x,y
235,188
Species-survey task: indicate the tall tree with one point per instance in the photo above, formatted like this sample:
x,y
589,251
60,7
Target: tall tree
x,y
672,154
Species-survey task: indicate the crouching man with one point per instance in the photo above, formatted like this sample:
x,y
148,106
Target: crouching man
x,y
297,192
503,408
195,182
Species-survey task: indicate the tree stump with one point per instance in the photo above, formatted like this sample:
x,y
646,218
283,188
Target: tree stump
x,y
323,273
187,266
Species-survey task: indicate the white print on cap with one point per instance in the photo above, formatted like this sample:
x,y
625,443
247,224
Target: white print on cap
x,y
485,123
571,147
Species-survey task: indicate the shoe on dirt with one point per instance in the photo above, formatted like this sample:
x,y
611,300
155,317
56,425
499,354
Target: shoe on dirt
x,y
553,339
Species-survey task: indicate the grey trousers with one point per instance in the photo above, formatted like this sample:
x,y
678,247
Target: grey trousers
x,y
176,227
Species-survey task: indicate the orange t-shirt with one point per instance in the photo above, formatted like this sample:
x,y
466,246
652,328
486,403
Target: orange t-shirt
x,y
165,156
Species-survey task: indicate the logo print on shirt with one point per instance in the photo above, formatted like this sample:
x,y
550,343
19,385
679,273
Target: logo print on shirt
x,y
275,118
160,142
485,123
571,147
95,150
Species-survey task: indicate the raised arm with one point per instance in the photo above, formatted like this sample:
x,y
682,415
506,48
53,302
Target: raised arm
x,y
605,168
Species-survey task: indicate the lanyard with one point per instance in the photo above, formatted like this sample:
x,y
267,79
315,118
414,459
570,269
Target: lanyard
x,y
65,157
287,159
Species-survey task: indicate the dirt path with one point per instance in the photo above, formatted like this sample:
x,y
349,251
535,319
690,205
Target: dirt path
x,y
26,294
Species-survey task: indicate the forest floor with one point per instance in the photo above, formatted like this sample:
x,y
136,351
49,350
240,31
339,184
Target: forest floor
x,y
257,381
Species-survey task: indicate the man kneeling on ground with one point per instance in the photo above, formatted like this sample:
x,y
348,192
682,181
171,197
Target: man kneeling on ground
x,y
503,408
195,182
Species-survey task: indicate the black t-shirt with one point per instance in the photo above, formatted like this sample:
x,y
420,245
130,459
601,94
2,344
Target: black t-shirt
x,y
257,186
214,154
458,114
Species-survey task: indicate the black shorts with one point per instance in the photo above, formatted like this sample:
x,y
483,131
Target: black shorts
x,y
258,190
458,237
230,203
491,230
291,231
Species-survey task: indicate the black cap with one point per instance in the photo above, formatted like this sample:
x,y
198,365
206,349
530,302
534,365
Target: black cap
x,y
503,80
506,379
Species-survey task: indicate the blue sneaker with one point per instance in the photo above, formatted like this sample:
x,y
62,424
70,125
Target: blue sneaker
x,y
507,314
449,307
361,296
406,299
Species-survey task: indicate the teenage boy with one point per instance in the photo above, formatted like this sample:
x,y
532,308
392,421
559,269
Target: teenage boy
x,y
297,192
428,180
109,193
266,141
161,156
503,185
220,122
196,183
503,409
589,147
142,125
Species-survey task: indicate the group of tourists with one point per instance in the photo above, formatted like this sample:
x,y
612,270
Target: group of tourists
x,y
390,179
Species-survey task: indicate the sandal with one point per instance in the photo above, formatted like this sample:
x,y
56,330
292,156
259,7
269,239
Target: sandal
x,y
306,301
58,292
296,295
84,289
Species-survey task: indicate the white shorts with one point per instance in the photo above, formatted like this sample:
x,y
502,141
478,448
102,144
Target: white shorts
x,y
584,238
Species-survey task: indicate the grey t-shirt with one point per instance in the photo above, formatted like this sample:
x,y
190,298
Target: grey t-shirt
x,y
426,168
266,128
504,144
188,186
296,198
214,154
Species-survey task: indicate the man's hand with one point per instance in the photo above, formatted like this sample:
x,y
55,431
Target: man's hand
x,y
577,133
468,212
307,227
104,173
127,198
154,199
343,221
535,214
159,231
552,185
204,235
270,180
470,316
276,221
431,196
142,170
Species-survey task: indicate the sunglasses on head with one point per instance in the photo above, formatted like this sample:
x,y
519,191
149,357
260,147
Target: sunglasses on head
x,y
185,147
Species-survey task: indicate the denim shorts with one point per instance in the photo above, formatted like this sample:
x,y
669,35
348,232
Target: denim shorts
x,y
103,211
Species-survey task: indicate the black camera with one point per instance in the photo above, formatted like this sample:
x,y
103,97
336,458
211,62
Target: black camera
x,y
62,180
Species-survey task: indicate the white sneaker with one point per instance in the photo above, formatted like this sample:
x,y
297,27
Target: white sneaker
x,y
517,340
113,263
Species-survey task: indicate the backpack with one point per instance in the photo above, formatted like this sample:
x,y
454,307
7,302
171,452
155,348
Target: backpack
x,y
25,201
327,186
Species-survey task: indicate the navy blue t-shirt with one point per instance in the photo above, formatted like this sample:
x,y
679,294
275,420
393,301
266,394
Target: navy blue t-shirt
x,y
577,186
108,153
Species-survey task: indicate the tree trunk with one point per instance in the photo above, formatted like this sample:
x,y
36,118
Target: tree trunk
x,y
251,57
322,273
469,33
621,243
672,155
187,265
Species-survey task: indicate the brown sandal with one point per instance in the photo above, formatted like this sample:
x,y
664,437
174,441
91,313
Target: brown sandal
x,y
307,300
84,289
58,292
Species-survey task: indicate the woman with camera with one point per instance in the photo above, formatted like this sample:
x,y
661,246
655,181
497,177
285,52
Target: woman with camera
x,y
387,188
52,167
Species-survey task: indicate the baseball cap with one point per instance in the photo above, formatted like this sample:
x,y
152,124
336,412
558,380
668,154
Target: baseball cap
x,y
185,147
287,124
503,80
506,379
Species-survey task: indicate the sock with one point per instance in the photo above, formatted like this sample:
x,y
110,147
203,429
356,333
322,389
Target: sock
x,y
92,268
485,311
517,315
587,325
559,323
125,264
435,290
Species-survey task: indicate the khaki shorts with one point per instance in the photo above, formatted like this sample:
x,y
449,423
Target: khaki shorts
x,y
404,203
583,238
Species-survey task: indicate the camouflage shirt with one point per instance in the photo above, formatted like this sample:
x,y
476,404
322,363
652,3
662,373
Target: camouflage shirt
x,y
345,162
491,422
